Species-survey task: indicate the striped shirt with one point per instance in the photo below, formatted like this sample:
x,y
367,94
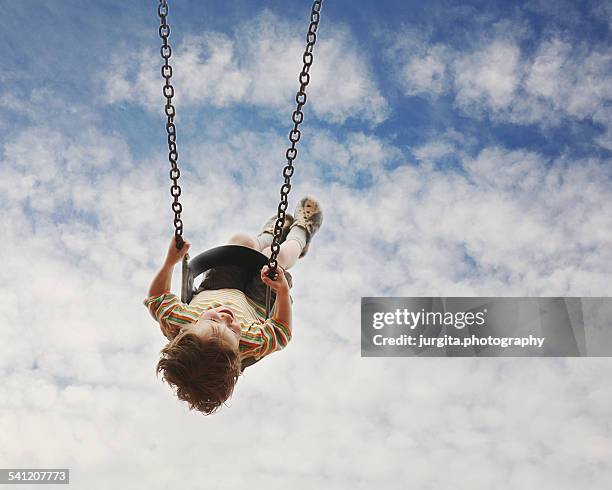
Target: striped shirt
x,y
259,336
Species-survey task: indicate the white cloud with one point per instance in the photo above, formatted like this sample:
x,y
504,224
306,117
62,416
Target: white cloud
x,y
258,65
348,158
41,103
434,150
93,402
494,77
422,66
574,80
603,10
546,69
86,221
425,74
489,76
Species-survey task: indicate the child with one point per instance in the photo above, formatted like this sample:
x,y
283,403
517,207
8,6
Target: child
x,y
223,329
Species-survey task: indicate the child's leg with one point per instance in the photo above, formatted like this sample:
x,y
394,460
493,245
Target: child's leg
x,y
264,239
288,254
244,239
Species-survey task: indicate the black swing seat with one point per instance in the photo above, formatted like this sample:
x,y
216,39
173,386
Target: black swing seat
x,y
248,259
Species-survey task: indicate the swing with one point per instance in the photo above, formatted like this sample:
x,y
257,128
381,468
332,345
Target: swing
x,y
249,260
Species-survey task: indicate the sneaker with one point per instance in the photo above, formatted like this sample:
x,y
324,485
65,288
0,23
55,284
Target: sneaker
x,y
268,226
308,215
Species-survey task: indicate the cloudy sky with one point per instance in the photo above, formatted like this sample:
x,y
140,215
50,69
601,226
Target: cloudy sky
x,y
456,148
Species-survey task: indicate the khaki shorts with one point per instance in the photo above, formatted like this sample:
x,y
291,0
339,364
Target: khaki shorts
x,y
235,277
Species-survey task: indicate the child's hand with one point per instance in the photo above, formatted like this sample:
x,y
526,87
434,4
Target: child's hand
x,y
174,256
280,285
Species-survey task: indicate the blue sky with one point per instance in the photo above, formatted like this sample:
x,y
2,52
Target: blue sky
x,y
60,46
456,150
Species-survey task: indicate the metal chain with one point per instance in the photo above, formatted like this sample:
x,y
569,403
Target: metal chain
x,y
168,91
294,135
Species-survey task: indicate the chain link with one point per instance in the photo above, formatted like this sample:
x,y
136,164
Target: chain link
x,y
294,135
168,91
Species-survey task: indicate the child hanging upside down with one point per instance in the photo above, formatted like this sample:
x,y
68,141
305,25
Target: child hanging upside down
x,y
223,329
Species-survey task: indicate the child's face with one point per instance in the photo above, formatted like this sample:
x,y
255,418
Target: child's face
x,y
225,321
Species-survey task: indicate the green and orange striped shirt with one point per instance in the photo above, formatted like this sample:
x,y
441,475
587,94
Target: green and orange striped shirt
x,y
259,338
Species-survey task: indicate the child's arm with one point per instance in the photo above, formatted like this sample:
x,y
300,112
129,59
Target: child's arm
x,y
273,334
164,306
162,282
282,306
